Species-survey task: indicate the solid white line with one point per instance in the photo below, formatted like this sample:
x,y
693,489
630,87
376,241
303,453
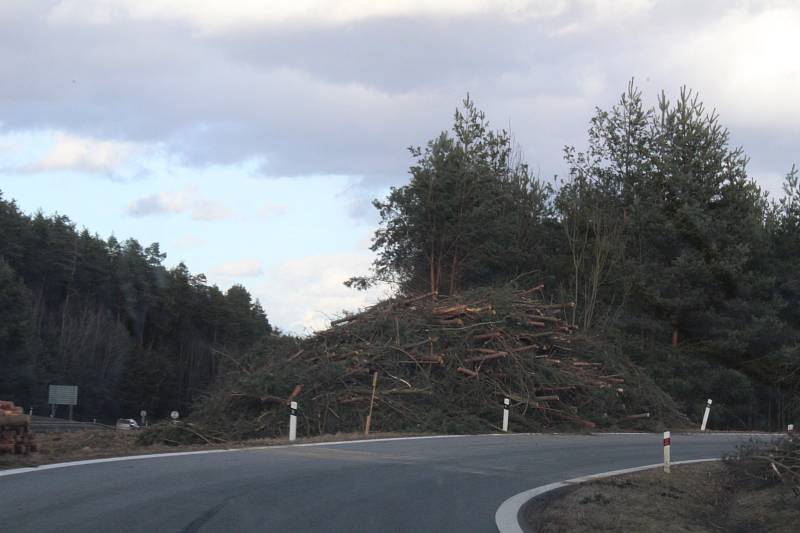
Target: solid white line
x,y
26,470
507,516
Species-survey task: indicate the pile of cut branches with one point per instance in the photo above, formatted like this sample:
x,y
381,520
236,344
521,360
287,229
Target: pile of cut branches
x,y
444,365
776,461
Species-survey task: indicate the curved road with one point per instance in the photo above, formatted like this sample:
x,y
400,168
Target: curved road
x,y
424,484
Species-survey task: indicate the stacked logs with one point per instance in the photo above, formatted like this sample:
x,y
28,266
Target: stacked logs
x,y
15,434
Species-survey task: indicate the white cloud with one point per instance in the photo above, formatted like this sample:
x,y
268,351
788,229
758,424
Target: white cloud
x,y
310,88
8,146
84,154
188,242
177,202
163,203
212,15
243,267
746,64
209,211
304,294
270,210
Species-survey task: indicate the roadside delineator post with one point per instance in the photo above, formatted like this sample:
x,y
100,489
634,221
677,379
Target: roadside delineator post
x,y
506,403
293,421
371,402
705,416
667,444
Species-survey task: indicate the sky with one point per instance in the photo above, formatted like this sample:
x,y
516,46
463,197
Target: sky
x,y
248,137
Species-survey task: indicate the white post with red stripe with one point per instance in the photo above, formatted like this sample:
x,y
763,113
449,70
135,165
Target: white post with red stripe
x,y
506,403
705,415
292,421
667,444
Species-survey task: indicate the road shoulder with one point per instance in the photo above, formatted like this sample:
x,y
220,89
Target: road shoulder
x,y
704,497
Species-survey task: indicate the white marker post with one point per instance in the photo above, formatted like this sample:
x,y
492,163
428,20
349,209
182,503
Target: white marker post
x,y
506,403
705,416
790,428
667,444
293,421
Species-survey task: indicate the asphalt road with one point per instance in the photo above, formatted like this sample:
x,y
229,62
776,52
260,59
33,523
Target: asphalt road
x,y
438,484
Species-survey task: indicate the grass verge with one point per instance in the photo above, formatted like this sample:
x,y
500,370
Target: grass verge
x,y
706,497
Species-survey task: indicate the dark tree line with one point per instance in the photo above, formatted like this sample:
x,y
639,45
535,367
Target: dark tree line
x,y
109,317
657,232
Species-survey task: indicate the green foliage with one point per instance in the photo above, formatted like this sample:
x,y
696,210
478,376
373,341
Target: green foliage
x,y
16,333
109,317
657,233
469,216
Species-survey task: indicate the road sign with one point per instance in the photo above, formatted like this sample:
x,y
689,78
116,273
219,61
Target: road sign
x,y
143,413
174,415
62,395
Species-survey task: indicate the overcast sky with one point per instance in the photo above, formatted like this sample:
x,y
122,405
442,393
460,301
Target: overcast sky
x,y
248,136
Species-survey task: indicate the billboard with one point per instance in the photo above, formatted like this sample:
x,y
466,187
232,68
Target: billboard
x,y
62,395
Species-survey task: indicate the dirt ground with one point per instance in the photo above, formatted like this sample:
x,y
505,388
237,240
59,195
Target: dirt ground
x,y
96,444
707,497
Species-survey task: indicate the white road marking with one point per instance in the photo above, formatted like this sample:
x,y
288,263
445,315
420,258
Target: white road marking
x,y
26,470
507,516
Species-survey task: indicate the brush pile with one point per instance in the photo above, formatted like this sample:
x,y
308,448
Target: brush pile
x,y
783,457
761,463
444,365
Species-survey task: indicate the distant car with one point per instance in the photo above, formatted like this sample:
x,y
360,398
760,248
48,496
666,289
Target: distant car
x,y
127,423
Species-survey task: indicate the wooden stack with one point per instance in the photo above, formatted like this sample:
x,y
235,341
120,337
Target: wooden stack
x,y
15,430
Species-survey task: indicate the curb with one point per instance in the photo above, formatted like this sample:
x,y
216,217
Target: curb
x,y
507,516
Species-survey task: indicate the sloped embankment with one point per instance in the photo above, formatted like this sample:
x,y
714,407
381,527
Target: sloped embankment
x,y
444,365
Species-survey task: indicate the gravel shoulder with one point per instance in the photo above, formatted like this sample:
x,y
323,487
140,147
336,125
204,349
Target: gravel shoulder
x,y
707,497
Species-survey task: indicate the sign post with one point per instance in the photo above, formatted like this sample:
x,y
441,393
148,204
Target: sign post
x,y
705,416
62,395
506,403
667,445
143,415
292,421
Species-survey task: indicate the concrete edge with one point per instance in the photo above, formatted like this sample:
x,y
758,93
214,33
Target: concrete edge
x,y
507,516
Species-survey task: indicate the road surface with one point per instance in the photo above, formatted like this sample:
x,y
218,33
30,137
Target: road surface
x,y
428,484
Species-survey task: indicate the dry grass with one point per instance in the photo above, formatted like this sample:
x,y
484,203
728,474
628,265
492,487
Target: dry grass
x,y
707,498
